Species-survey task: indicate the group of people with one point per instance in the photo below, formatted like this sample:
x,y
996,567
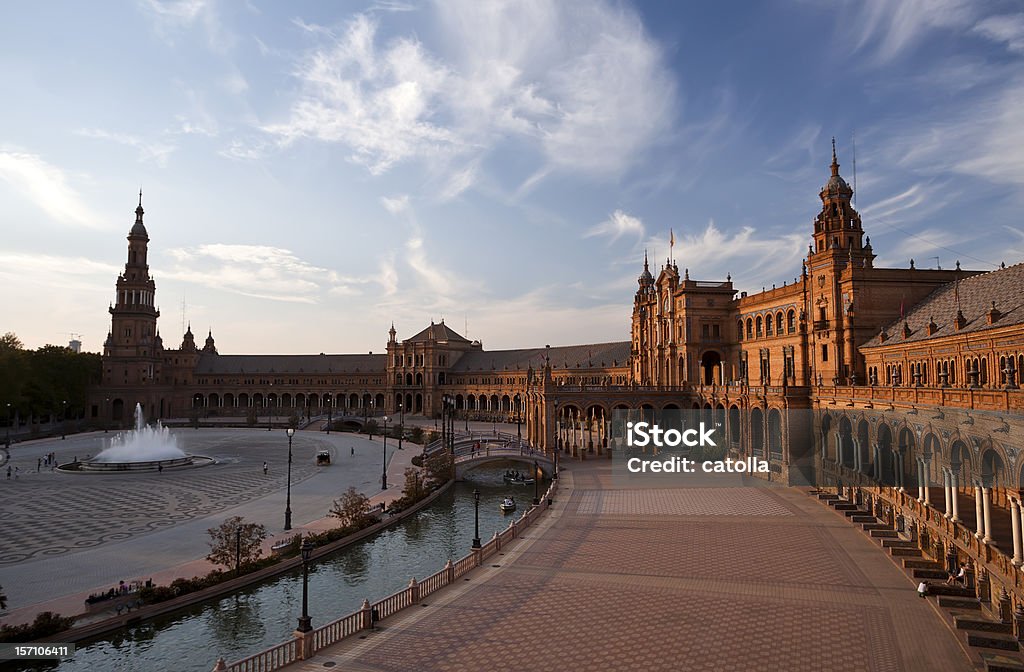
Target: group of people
x,y
48,460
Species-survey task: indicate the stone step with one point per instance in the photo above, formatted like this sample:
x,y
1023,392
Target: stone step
x,y
961,603
1001,662
979,624
827,495
844,506
877,527
865,518
855,513
917,563
933,574
898,543
905,552
884,534
991,640
950,590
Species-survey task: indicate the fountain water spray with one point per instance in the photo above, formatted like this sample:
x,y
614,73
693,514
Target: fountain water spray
x,y
143,444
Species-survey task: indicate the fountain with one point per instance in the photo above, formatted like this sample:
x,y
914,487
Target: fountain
x,y
144,448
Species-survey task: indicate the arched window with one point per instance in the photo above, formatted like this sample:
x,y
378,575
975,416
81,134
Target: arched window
x,y
759,325
750,328
791,321
768,325
778,324
739,330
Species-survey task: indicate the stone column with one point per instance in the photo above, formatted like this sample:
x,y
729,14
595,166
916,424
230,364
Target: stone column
x,y
954,488
927,490
897,459
978,510
876,466
855,446
986,494
1015,522
920,480
948,513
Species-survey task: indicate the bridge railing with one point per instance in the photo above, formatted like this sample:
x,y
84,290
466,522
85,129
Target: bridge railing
x,y
304,646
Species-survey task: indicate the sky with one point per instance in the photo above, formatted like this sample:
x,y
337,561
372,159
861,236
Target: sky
x,y
314,171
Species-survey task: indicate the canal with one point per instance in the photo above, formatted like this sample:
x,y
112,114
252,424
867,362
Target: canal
x,y
266,614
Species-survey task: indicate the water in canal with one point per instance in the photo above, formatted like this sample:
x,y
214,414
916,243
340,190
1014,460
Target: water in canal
x,y
264,615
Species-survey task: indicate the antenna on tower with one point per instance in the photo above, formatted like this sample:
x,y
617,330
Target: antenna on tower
x,y
853,142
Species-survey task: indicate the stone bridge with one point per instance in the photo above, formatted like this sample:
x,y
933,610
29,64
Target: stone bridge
x,y
479,448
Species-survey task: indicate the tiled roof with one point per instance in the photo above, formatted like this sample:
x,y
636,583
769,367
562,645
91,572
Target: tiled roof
x,y
437,332
291,364
974,295
595,355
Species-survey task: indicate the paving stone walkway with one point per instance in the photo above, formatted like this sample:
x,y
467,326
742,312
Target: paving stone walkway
x,y
746,578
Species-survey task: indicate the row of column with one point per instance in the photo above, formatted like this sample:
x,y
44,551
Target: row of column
x,y
982,506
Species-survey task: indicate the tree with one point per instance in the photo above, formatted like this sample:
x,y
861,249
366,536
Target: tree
x,y
10,341
370,427
235,541
440,468
413,488
352,509
416,435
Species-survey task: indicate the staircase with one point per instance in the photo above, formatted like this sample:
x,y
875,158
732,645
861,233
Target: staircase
x,y
992,641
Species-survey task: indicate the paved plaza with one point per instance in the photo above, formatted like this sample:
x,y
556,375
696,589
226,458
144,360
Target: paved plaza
x,y
702,579
65,534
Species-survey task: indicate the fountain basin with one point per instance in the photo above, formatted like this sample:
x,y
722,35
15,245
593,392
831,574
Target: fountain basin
x,y
94,467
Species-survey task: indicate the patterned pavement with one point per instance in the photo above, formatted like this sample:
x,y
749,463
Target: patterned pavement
x,y
63,534
691,579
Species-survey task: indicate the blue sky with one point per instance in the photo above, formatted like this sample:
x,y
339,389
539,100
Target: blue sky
x,y
314,171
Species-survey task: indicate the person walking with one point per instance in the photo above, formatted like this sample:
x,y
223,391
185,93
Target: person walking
x,y
353,451
264,468
8,472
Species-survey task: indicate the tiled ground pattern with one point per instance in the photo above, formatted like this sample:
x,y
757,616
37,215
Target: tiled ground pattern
x,y
681,502
682,579
82,513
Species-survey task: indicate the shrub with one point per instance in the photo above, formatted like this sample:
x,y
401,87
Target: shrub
x,y
46,623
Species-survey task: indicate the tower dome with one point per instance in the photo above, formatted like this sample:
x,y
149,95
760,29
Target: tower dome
x,y
139,229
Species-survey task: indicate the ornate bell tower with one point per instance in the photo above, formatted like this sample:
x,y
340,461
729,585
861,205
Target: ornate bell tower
x,y
130,356
838,258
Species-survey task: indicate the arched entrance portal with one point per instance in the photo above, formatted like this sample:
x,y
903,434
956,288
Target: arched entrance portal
x,y
711,368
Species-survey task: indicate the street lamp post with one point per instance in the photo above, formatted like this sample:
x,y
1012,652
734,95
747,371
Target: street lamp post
x,y
519,419
536,483
270,415
288,497
63,418
558,439
384,460
401,424
305,622
330,405
106,414
476,518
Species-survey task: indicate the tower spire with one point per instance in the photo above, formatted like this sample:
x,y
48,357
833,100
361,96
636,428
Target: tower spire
x,y
835,162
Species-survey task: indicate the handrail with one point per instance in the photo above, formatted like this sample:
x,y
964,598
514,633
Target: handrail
x,y
350,624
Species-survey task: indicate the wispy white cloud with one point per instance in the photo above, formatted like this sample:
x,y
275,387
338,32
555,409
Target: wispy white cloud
x,y
149,150
751,256
617,225
888,29
47,187
591,105
396,205
172,17
258,271
1007,28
